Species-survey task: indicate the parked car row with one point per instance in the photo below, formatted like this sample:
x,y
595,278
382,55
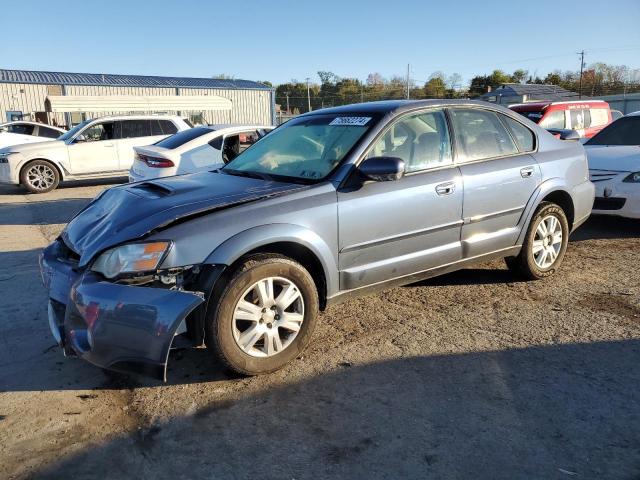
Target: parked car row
x,y
333,204
107,147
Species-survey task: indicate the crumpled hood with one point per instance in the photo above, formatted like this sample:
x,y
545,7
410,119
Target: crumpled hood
x,y
620,158
129,212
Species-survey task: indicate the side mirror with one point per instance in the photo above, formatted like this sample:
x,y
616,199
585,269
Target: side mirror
x,y
382,169
79,139
564,134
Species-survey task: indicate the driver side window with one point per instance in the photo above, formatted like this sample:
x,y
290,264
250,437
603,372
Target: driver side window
x,y
99,131
421,140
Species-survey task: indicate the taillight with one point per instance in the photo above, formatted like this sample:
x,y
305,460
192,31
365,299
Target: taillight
x,y
156,162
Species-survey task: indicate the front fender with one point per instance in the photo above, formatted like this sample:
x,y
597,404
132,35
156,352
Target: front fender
x,y
233,248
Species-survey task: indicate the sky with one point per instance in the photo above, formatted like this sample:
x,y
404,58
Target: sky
x,y
285,39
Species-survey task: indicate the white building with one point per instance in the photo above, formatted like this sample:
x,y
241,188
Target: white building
x,y
66,99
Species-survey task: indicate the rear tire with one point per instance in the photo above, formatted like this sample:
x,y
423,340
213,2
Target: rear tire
x,y
264,316
39,176
544,245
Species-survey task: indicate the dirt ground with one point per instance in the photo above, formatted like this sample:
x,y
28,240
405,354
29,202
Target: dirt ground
x,y
469,375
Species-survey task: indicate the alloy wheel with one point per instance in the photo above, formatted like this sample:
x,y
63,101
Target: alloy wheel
x,y
41,177
547,242
268,317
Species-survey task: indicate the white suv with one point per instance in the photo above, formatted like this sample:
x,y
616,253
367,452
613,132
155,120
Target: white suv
x,y
97,148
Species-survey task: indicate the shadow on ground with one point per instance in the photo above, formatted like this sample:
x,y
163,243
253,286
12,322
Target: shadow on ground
x,y
605,228
44,212
19,190
541,412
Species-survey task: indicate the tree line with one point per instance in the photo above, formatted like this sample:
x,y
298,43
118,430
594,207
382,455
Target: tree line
x,y
331,89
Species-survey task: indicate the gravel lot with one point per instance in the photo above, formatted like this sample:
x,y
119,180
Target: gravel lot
x,y
469,375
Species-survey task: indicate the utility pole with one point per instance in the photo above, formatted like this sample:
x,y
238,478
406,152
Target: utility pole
x,y
287,94
362,93
308,94
581,69
408,66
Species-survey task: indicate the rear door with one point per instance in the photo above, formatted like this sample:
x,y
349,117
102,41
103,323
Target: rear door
x,y
499,175
139,133
94,150
396,228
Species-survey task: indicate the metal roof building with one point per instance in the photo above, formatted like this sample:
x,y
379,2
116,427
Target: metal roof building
x,y
67,98
510,93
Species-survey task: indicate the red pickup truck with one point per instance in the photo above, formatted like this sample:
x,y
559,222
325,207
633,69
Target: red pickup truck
x,y
586,117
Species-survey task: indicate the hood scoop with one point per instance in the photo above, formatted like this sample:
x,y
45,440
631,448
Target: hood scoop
x,y
152,190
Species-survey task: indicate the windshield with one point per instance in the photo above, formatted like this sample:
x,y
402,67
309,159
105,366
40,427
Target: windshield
x,y
74,130
624,131
180,138
307,147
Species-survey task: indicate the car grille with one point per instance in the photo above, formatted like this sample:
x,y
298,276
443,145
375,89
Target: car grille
x,y
608,203
602,175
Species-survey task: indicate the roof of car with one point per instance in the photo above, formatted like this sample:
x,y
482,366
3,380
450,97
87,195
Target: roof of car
x,y
25,122
387,106
633,114
529,106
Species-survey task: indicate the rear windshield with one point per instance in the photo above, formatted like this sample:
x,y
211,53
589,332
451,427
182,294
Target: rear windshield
x,y
624,131
533,116
180,138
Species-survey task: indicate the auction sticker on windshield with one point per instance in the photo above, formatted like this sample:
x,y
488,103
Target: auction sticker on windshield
x,y
359,121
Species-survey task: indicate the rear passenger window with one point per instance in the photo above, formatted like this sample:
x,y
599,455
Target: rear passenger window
x,y
599,117
155,128
524,137
480,134
421,140
21,128
168,127
48,132
135,128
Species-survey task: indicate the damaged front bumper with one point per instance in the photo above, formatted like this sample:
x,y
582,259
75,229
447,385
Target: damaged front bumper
x,y
114,326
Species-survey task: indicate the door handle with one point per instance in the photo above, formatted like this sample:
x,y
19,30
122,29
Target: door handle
x,y
108,145
526,172
446,188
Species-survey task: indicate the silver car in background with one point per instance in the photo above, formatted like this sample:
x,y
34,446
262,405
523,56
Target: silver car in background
x,y
335,203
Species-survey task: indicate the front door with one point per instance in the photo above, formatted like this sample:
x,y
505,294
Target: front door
x,y
392,229
499,175
94,151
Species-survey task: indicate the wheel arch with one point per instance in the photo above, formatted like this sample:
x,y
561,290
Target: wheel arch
x,y
31,160
293,241
553,190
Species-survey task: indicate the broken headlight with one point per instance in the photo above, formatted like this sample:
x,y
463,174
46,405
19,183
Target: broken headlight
x,y
131,258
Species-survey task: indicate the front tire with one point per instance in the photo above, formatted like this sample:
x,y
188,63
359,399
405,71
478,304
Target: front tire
x,y
545,244
264,316
39,176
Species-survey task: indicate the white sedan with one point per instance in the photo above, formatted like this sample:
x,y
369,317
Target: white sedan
x,y
614,167
194,150
19,132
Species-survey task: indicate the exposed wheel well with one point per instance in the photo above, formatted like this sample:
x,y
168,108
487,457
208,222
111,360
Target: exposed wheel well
x,y
564,201
44,160
303,256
